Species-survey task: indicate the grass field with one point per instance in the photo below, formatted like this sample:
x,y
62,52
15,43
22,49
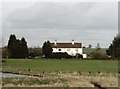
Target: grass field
x,y
61,73
66,65
90,50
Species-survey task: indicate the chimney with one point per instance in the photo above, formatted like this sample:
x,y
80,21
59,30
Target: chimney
x,y
55,43
73,42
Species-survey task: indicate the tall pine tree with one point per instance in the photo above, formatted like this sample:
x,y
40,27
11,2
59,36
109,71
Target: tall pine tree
x,y
11,45
47,49
114,48
17,48
24,48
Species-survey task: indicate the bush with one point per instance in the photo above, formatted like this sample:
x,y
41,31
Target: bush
x,y
99,55
61,55
35,52
5,53
31,55
79,56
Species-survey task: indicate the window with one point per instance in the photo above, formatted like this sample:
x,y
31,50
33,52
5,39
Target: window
x,y
76,50
59,49
68,49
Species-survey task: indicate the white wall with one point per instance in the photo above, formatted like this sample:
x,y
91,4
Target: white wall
x,y
70,51
84,55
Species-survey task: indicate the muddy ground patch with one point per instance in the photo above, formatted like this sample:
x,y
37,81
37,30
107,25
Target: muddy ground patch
x,y
59,79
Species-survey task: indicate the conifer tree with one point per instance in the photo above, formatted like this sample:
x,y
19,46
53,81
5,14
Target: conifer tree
x,y
114,48
17,48
47,49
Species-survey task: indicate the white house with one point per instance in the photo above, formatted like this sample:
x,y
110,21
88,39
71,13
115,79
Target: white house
x,y
71,48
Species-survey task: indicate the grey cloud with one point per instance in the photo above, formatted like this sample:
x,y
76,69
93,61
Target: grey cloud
x,y
86,22
68,16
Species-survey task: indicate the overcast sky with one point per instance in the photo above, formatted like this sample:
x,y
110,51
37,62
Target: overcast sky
x,y
86,22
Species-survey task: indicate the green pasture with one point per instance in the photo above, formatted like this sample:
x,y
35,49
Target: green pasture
x,y
90,50
64,65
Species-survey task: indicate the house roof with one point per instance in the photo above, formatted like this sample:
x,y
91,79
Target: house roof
x,y
66,45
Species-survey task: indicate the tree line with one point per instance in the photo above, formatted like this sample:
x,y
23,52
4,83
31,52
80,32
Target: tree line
x,y
17,48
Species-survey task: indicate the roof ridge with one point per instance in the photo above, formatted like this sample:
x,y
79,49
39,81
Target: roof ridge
x,y
67,45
